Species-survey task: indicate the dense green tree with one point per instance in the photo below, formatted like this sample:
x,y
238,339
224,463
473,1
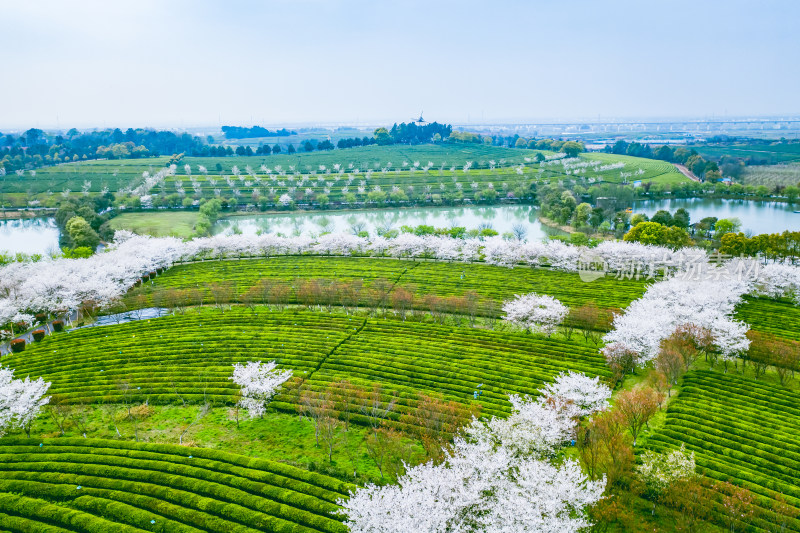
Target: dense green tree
x,y
664,153
572,148
727,225
582,213
662,217
81,233
681,218
383,137
655,233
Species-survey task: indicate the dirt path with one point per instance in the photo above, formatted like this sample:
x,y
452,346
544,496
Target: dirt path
x,y
686,172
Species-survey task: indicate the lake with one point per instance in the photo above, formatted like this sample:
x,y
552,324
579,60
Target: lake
x,y
40,235
500,218
756,217
29,235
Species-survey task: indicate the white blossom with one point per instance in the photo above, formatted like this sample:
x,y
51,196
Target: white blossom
x,y
20,400
587,394
535,312
259,382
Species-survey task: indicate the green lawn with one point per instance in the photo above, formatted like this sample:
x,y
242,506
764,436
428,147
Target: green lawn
x,y
158,223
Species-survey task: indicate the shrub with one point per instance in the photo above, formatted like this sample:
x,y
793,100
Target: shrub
x,y
17,345
58,325
38,335
40,317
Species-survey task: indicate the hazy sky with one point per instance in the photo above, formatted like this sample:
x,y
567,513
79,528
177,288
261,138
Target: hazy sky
x,y
185,63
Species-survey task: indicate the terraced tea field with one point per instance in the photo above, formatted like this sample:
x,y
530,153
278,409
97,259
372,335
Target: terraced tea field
x,y
491,283
409,357
178,357
92,485
741,430
335,173
780,318
189,358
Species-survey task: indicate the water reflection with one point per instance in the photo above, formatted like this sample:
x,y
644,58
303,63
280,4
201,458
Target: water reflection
x,y
499,218
756,217
29,235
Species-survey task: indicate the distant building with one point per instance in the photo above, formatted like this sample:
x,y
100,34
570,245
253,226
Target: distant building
x,y
606,202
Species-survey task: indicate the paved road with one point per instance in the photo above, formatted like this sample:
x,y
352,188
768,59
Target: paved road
x,y
686,172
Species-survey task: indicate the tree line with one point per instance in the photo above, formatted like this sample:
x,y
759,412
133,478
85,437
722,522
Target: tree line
x,y
238,132
770,247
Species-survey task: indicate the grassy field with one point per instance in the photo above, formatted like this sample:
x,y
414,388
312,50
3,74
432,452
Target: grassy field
x,y
158,223
761,153
651,170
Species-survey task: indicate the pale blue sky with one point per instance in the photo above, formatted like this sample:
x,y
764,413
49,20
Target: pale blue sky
x,y
185,63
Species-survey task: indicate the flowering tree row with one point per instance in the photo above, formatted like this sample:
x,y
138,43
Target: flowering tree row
x,y
59,285
704,299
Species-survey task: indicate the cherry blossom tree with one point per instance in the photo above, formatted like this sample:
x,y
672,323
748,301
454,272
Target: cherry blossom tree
x,y
496,477
20,400
586,394
537,426
660,470
259,382
708,304
534,312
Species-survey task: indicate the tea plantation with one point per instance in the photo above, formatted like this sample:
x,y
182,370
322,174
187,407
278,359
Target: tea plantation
x,y
338,325
491,284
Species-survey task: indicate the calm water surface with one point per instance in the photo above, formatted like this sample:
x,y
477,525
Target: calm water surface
x,y
29,235
756,217
40,235
500,218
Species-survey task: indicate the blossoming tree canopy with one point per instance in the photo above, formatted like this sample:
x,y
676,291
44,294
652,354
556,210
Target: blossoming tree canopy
x,y
495,478
535,312
706,304
20,400
660,470
586,394
259,382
